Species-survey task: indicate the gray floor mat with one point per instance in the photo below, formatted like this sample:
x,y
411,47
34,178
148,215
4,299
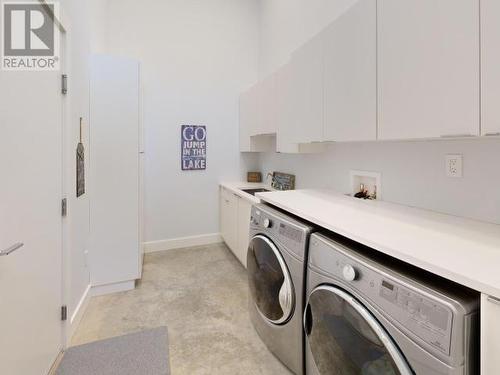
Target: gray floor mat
x,y
144,353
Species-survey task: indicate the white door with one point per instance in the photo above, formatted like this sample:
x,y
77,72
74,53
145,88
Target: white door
x,y
428,68
30,213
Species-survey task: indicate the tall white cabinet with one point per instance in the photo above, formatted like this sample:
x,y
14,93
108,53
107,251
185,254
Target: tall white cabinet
x,y
116,176
490,334
428,68
490,69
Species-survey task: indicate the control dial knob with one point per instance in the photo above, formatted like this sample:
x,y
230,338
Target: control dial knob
x,y
267,223
349,273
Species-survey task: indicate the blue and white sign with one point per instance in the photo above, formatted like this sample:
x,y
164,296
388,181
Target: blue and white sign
x,y
194,147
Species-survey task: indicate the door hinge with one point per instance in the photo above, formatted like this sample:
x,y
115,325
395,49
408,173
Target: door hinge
x,y
64,207
64,313
64,84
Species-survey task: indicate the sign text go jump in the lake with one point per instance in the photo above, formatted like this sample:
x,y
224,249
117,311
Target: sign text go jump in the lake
x,y
194,147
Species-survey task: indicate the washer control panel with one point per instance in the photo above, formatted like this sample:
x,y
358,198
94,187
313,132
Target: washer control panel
x,y
428,319
418,312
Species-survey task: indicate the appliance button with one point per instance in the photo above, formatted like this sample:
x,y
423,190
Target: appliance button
x,y
267,223
411,307
349,273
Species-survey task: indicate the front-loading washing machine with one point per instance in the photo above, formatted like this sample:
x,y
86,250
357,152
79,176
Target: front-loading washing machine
x,y
276,261
370,314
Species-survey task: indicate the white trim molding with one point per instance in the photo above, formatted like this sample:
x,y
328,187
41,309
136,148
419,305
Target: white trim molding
x,y
182,242
123,286
77,315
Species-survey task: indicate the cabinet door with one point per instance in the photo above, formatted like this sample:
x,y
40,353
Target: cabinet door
x,y
267,106
245,120
249,117
307,92
284,111
428,68
490,72
350,48
490,335
228,218
244,212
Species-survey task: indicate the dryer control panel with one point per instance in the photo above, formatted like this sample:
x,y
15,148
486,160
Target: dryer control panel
x,y
292,234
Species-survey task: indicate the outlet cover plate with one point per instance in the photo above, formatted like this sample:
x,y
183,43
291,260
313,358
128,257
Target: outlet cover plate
x,y
454,165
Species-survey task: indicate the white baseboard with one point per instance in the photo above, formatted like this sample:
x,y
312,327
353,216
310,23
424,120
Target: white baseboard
x,y
77,315
123,286
179,243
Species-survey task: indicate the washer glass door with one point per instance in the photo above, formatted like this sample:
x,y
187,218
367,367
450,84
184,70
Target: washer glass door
x,y
269,280
345,338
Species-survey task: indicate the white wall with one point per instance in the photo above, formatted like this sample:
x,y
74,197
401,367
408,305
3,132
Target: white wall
x,y
413,173
77,16
75,20
196,57
98,20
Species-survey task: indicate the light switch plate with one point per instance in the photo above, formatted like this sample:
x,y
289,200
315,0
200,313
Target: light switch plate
x,y
454,165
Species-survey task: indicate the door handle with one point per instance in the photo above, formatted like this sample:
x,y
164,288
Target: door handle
x,y
494,300
463,135
11,249
308,321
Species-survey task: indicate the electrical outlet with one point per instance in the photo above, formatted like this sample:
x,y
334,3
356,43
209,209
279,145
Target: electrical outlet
x,y
454,166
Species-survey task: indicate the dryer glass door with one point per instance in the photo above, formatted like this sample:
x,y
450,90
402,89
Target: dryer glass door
x,y
345,338
269,280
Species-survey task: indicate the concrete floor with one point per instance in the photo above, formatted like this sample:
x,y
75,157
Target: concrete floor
x,y
201,295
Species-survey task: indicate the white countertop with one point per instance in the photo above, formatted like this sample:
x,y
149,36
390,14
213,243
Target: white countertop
x,y
236,188
459,249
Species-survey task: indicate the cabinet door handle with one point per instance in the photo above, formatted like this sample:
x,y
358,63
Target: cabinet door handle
x,y
457,135
494,300
492,134
11,249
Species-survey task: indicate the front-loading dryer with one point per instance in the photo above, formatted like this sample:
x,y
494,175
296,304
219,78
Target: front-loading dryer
x,y
370,314
276,261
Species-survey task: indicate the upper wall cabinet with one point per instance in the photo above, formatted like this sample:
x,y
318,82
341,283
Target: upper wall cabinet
x,y
249,117
428,68
284,116
490,51
251,120
350,76
267,106
306,87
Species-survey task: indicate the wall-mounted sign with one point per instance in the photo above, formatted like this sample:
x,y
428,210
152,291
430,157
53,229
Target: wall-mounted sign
x,y
80,165
194,147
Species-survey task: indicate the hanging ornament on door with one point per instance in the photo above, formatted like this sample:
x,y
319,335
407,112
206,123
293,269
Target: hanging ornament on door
x,y
80,165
